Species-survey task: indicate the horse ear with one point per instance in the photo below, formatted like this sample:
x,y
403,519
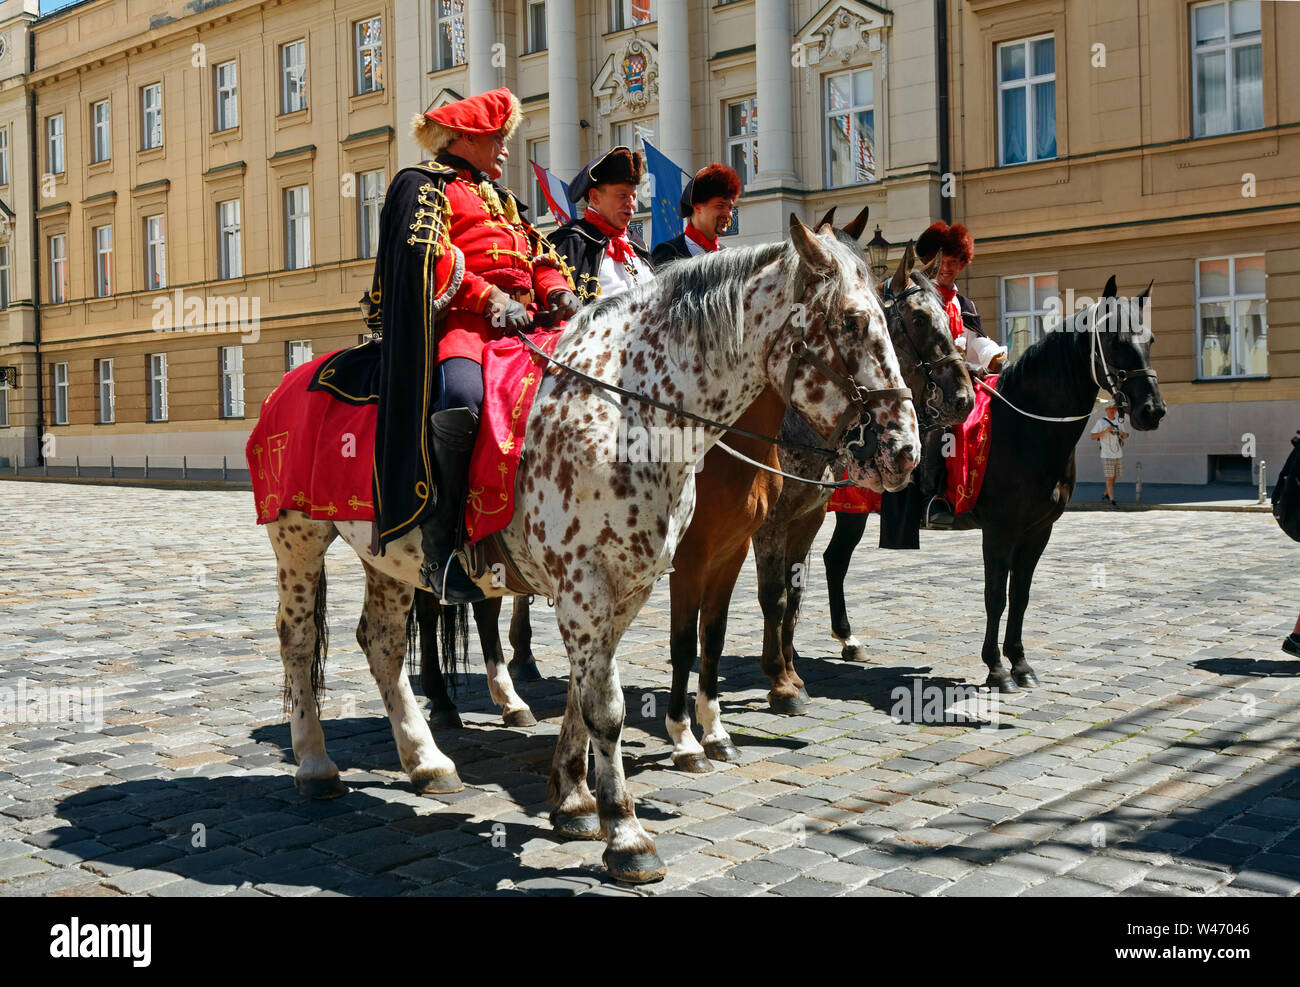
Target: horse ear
x,y
932,268
903,273
827,220
1149,287
858,224
1112,288
811,250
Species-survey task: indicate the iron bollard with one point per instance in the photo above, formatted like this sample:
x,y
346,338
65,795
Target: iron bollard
x,y
146,467
1263,481
185,469
1137,494
112,468
223,467
78,466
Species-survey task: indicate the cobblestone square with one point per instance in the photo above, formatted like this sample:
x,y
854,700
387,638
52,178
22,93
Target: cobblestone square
x,y
1158,757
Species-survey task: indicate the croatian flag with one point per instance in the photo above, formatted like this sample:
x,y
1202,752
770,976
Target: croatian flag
x,y
555,192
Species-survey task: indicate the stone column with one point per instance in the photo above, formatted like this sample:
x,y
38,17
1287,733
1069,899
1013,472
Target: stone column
x,y
775,111
562,84
480,35
674,137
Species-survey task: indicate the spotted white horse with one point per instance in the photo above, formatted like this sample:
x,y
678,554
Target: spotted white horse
x,y
593,533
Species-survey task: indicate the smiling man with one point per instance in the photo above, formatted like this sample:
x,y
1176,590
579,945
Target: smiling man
x,y
708,202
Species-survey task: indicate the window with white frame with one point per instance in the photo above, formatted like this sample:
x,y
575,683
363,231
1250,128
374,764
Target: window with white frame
x,y
297,228
630,13
101,125
155,253
539,152
4,404
227,90
4,155
103,261
60,394
296,353
151,116
230,262
232,382
742,138
54,159
633,134
293,76
370,54
1027,100
1232,328
59,268
107,392
850,128
535,13
1027,310
4,275
157,387
1227,67
370,202
448,34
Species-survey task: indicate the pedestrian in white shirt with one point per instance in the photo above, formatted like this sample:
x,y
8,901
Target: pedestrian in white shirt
x,y
1110,433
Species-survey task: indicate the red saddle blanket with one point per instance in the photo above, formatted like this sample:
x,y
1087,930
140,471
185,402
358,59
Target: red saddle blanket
x,y
313,453
965,474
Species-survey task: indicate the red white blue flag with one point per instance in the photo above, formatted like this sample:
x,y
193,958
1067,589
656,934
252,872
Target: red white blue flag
x,y
555,192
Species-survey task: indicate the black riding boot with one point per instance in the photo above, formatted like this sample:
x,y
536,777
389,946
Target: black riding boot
x,y
442,532
936,512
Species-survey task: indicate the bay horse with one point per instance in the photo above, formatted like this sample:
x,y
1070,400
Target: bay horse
x,y
1046,400
592,532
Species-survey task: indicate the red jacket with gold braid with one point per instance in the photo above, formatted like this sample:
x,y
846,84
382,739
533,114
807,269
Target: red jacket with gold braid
x,y
501,250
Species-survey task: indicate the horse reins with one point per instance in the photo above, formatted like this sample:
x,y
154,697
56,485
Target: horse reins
x,y
892,307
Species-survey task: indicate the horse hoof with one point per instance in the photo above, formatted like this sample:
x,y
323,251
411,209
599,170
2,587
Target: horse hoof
x,y
1026,678
436,782
854,652
320,788
786,705
445,719
585,827
1002,683
695,763
722,750
525,671
520,718
803,694
634,868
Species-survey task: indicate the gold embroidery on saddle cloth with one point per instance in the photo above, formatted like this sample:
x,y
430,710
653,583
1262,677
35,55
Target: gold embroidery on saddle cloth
x,y
527,381
356,502
475,499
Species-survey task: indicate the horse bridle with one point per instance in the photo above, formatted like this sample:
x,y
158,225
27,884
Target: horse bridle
x,y
1117,378
933,393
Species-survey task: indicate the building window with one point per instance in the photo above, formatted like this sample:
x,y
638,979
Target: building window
x,y
158,387
630,13
103,261
297,228
229,258
151,116
448,34
1230,317
4,155
634,134
103,132
1030,308
296,353
60,394
1227,67
539,152
155,253
742,138
1027,100
227,96
370,55
293,76
850,128
107,394
4,276
54,161
232,382
371,202
59,268
535,12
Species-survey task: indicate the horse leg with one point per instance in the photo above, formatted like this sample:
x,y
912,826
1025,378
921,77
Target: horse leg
x,y
799,540
573,807
522,665
1023,562
848,533
514,711
996,567
684,596
382,636
300,544
443,714
769,560
713,634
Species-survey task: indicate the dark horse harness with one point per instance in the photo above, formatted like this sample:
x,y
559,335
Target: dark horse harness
x,y
933,393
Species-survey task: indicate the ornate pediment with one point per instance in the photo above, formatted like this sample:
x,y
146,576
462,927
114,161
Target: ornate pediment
x,y
629,78
841,31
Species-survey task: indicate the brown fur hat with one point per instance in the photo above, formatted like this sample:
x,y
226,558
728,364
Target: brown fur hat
x,y
955,241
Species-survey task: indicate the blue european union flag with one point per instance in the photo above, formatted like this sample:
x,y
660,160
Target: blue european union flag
x,y
669,180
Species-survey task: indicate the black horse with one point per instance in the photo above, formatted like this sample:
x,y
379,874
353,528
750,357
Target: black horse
x,y
1049,395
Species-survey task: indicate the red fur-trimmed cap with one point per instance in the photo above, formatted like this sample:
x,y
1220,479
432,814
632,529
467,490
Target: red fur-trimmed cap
x,y
955,241
712,180
492,112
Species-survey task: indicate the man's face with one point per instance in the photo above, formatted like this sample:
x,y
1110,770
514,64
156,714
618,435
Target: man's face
x,y
1110,412
949,268
713,216
486,152
615,201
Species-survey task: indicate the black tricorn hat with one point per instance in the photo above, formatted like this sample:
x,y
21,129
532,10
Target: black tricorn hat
x,y
618,164
711,180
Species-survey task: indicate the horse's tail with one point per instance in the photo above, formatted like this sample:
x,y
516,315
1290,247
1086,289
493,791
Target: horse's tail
x,y
321,648
422,639
455,642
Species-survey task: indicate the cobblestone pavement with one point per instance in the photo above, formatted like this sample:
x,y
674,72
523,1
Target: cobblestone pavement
x,y
1158,757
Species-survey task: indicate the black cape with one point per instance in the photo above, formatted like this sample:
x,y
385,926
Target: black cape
x,y
671,250
582,246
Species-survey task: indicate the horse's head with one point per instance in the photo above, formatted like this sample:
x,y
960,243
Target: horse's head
x,y
1119,345
834,362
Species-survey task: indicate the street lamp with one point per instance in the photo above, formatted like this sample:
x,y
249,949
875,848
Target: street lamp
x,y
878,255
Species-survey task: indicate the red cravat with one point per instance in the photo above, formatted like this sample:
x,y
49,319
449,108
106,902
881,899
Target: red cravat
x,y
618,246
709,244
955,325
